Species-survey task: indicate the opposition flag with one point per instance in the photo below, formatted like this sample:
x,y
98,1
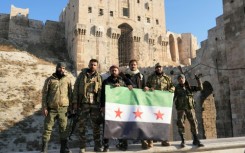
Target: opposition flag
x,y
136,114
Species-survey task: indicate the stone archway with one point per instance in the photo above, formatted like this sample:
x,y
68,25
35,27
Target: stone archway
x,y
172,47
208,126
180,49
125,44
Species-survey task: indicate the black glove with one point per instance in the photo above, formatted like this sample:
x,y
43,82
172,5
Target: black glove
x,y
197,77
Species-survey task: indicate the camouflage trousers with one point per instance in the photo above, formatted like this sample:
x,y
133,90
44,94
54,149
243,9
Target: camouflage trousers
x,y
90,113
59,114
191,116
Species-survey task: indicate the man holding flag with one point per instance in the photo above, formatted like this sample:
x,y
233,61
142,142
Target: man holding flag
x,y
159,81
136,114
115,80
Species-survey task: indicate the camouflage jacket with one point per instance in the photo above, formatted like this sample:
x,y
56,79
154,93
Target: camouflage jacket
x,y
110,81
183,96
56,92
160,82
87,88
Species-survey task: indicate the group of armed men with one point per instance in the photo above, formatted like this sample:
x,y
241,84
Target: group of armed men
x,y
88,98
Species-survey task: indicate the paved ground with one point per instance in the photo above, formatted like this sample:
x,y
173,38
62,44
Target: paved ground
x,y
225,145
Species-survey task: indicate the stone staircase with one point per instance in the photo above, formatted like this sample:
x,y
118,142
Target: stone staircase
x,y
223,145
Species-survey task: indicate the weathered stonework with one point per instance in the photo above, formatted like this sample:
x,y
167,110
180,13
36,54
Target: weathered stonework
x,y
221,61
116,31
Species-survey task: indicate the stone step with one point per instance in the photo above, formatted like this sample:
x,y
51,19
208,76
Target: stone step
x,y
223,145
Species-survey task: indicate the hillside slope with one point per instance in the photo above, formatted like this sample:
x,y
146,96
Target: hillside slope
x,y
22,77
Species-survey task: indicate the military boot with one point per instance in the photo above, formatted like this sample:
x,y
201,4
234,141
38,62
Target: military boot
x,y
166,143
97,147
196,141
64,147
182,144
122,145
44,148
106,145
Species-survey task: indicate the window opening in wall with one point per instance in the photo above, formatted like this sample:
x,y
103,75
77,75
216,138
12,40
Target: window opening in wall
x,y
74,16
111,13
139,18
125,12
138,1
148,20
19,14
125,44
89,9
157,22
101,12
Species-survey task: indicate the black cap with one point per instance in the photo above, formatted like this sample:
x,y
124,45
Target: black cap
x,y
60,64
158,65
181,76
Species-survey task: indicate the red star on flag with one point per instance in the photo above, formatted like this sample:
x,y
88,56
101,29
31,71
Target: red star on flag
x,y
159,115
118,113
138,113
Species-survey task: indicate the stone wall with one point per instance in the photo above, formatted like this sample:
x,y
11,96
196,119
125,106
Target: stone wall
x,y
221,62
234,22
4,25
116,31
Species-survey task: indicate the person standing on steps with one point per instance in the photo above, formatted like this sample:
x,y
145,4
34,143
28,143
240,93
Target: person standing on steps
x,y
185,106
56,99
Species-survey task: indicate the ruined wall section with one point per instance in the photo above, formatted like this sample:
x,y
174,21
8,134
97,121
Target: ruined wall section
x,y
53,35
234,18
4,25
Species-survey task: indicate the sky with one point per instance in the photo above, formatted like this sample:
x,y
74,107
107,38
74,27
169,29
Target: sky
x,y
182,16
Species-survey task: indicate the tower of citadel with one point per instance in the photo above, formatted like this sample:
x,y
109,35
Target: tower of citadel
x,y
116,31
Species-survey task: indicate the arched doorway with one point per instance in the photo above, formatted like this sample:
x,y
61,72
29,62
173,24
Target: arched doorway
x,y
208,126
125,46
181,53
172,47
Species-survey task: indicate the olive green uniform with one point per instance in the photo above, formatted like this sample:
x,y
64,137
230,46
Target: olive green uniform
x,y
159,82
86,95
185,106
56,97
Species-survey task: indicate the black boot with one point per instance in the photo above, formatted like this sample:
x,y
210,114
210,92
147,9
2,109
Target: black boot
x,y
106,145
196,141
44,148
122,145
182,144
64,147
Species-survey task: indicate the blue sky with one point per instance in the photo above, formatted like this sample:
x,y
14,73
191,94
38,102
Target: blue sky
x,y
182,16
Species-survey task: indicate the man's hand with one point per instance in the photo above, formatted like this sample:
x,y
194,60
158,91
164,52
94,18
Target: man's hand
x,y
130,87
146,88
102,110
196,77
117,85
45,112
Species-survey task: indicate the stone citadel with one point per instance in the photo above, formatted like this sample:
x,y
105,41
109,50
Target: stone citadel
x,y
117,31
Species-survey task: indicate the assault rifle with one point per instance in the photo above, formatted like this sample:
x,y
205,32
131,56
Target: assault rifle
x,y
74,116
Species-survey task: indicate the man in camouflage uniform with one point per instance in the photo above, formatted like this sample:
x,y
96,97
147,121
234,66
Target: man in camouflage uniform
x,y
185,106
56,97
86,97
159,81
